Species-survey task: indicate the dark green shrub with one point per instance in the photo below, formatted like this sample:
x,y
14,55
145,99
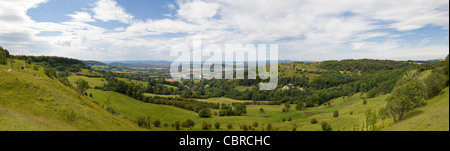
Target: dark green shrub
x,y
335,114
156,123
230,126
188,123
217,125
313,121
326,126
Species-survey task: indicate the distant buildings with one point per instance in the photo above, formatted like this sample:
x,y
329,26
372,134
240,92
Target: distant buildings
x,y
290,85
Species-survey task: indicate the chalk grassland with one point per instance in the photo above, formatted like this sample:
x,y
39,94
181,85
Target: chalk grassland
x,y
29,100
131,108
431,117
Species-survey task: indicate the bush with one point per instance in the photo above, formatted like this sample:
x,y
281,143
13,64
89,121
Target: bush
x,y
269,127
299,106
255,124
156,123
230,126
364,101
143,122
313,121
217,125
205,112
335,114
50,72
261,111
205,125
435,83
222,112
289,119
244,127
240,109
188,123
326,126
177,125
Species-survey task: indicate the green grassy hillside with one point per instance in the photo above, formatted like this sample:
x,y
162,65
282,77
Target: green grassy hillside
x,y
431,117
29,100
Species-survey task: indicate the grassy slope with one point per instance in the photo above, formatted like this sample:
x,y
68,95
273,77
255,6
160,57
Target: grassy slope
x,y
432,117
131,108
29,100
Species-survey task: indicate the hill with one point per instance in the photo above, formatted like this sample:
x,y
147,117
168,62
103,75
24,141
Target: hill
x,y
30,100
432,117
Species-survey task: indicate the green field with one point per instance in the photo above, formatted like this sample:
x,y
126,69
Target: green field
x,y
132,108
93,82
222,100
30,101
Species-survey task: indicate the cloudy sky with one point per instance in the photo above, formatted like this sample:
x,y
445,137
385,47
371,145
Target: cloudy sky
x,y
305,30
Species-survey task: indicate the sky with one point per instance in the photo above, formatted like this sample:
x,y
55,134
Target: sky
x,y
305,30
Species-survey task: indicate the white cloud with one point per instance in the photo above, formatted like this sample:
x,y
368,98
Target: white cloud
x,y
81,17
108,10
197,11
304,30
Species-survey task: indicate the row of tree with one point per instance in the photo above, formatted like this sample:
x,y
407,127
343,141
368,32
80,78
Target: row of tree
x,y
4,55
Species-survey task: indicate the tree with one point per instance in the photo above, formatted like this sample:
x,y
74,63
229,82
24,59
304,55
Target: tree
x,y
299,106
371,120
313,121
188,123
294,127
255,124
177,125
30,61
156,123
383,114
244,127
435,83
408,93
205,112
446,67
205,125
217,125
326,126
82,85
335,114
144,122
261,111
240,109
230,126
287,106
269,127
50,72
4,54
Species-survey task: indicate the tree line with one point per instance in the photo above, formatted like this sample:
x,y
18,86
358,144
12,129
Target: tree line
x,y
4,55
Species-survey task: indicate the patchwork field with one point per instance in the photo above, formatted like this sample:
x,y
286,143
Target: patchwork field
x,y
30,100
